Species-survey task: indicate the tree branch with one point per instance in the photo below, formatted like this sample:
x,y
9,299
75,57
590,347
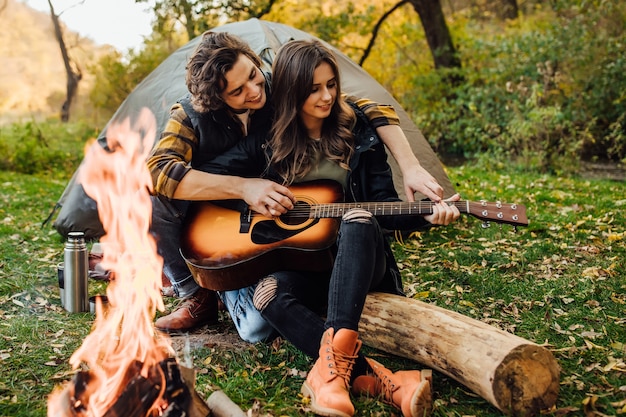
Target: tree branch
x,y
377,28
73,75
265,10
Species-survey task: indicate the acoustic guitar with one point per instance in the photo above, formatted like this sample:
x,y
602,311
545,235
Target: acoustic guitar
x,y
228,249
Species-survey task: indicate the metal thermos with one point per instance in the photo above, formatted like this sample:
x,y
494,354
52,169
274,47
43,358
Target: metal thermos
x,y
76,273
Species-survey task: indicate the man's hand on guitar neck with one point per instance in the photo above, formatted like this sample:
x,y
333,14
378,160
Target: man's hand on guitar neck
x,y
443,212
417,179
267,197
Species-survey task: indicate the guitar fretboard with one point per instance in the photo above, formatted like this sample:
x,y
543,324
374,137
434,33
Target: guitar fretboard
x,y
381,209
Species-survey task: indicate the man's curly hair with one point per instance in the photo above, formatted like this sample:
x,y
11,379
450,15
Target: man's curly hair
x,y
216,54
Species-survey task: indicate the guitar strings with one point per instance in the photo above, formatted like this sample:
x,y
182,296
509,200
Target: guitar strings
x,y
390,208
379,207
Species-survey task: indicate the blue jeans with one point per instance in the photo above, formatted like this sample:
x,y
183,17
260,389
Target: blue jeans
x,y
167,224
250,325
300,299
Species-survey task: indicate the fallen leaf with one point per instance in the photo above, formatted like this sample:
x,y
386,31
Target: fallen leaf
x,y
593,345
591,334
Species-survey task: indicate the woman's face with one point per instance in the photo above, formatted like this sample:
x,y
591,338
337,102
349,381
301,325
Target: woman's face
x,y
320,102
246,86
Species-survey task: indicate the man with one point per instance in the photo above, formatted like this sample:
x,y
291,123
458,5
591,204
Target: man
x,y
228,99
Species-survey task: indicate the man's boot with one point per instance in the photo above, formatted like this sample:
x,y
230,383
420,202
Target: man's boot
x,y
409,391
194,311
328,381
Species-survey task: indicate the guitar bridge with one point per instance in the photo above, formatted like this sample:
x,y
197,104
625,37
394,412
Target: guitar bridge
x,y
245,220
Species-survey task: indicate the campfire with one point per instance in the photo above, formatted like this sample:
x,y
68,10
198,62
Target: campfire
x,y
124,367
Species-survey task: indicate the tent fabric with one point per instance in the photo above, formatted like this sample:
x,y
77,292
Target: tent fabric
x,y
166,84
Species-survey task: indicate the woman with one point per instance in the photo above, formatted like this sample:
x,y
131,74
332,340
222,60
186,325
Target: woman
x,y
315,135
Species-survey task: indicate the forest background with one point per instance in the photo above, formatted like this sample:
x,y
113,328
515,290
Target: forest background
x,y
542,83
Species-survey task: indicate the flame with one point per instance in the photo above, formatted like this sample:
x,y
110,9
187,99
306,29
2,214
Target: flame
x,y
119,181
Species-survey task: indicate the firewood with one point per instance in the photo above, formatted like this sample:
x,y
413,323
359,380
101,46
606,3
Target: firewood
x,y
517,376
199,407
222,406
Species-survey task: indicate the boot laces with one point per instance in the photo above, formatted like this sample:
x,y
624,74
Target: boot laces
x,y
343,365
387,386
193,303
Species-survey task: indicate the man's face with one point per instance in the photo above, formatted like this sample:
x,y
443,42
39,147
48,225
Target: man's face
x,y
246,86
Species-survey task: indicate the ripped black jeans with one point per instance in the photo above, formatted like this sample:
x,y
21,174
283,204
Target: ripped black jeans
x,y
294,303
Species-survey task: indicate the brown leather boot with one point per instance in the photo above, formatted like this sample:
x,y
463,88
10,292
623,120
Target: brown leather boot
x,y
409,391
194,311
327,383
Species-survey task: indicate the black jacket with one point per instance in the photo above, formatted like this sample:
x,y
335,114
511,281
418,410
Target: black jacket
x,y
218,130
370,179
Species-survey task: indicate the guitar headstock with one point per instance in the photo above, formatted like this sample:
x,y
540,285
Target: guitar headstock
x,y
514,214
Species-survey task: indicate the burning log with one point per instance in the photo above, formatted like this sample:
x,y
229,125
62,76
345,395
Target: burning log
x,y
517,376
162,389
167,391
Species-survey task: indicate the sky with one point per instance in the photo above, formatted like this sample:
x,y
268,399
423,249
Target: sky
x,y
120,23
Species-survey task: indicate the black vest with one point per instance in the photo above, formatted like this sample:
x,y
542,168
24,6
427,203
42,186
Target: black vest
x,y
217,131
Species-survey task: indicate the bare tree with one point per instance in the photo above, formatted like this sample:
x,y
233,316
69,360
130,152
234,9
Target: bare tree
x,y
384,17
74,74
509,10
437,33
186,9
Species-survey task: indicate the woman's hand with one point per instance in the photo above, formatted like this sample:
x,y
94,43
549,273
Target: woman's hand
x,y
444,212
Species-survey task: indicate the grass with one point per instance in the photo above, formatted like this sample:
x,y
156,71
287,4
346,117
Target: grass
x,y
558,282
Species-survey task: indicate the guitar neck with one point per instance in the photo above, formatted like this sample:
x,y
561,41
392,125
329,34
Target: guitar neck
x,y
395,208
514,214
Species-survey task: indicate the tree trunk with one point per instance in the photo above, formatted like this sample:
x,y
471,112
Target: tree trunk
x,y
73,76
517,376
190,24
509,9
437,33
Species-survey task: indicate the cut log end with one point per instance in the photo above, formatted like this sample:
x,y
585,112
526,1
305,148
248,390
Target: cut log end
x,y
526,381
517,376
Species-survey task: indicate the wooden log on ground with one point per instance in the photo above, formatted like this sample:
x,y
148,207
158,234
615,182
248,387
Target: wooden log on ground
x,y
517,376
217,405
222,406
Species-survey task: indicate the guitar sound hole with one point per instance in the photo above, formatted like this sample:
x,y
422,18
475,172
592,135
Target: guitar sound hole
x,y
298,215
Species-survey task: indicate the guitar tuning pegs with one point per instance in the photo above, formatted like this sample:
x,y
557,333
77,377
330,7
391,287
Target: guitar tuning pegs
x,y
486,225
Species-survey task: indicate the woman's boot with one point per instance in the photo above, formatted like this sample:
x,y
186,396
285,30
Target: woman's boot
x,y
327,384
409,391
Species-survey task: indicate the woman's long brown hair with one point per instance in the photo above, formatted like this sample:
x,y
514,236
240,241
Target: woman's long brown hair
x,y
292,83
